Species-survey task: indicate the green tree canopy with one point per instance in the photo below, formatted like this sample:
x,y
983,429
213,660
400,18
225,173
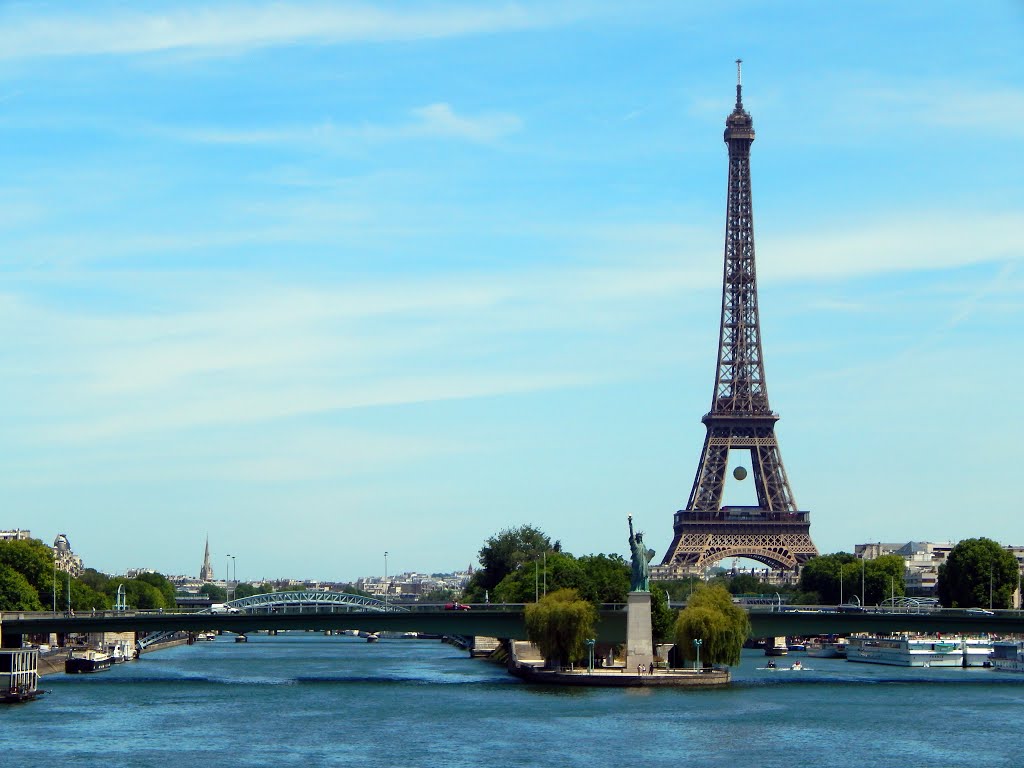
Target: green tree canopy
x,y
502,553
558,570
215,593
663,618
34,561
606,578
877,579
165,588
16,594
978,573
721,626
560,625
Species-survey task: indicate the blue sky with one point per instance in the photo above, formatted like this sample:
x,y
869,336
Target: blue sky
x,y
321,280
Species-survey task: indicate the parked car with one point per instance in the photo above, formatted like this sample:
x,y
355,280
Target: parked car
x,y
456,607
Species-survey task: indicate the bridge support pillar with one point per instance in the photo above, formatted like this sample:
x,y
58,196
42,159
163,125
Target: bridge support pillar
x,y
639,643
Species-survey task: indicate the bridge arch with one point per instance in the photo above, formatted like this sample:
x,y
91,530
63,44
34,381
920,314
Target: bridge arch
x,y
309,598
320,601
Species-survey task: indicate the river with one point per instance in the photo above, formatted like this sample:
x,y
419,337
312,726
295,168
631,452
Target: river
x,y
304,699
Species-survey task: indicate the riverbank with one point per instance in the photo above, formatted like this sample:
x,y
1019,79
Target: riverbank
x,y
525,663
53,662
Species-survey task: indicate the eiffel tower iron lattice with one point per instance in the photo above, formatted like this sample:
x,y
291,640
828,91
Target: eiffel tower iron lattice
x,y
775,532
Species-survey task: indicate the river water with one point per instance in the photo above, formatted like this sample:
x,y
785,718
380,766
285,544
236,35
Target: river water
x,y
304,699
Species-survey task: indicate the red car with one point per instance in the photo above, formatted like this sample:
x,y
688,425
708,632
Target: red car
x,y
456,607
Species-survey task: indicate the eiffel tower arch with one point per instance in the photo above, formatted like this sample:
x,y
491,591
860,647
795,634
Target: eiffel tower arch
x,y
775,532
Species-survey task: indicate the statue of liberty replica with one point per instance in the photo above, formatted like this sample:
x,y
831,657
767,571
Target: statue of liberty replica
x,y
639,642
641,557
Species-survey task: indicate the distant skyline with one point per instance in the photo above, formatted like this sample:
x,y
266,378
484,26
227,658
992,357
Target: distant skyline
x,y
325,280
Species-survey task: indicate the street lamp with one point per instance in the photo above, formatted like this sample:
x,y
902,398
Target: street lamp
x,y
54,585
990,566
697,643
387,587
227,577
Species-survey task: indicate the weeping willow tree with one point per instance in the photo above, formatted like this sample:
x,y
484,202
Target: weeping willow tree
x,y
560,625
711,617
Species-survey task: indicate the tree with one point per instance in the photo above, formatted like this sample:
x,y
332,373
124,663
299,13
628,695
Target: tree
x,y
242,589
711,617
557,570
215,593
606,578
560,625
16,594
663,618
34,561
503,553
165,587
822,575
978,572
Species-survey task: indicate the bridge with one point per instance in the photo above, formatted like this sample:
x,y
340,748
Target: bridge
x,y
321,611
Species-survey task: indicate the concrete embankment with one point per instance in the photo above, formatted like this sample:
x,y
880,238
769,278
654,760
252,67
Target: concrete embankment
x,y
53,663
525,663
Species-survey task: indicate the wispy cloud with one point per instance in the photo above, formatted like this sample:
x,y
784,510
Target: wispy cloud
x,y
921,242
28,30
437,120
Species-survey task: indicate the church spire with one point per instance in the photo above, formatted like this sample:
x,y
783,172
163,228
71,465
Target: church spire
x,y
206,572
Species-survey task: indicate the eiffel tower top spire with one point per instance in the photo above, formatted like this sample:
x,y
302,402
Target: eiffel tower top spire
x,y
739,126
739,83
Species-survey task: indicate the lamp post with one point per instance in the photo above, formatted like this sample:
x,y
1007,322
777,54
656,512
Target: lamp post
x,y
990,566
54,585
840,583
227,578
387,587
863,597
697,642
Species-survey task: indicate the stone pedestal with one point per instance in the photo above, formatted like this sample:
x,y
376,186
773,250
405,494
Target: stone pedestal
x,y
639,644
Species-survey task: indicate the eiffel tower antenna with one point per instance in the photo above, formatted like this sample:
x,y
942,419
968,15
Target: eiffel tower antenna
x,y
775,532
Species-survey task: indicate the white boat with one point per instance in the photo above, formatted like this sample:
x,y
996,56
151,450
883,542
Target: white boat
x,y
976,651
905,651
827,649
1008,655
19,675
87,660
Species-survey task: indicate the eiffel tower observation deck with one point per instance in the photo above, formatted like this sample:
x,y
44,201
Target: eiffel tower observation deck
x,y
775,532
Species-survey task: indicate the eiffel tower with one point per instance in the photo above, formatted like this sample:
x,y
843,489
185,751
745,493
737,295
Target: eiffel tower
x,y
775,532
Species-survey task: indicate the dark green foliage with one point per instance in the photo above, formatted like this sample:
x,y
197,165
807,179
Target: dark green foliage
x,y
977,573
502,554
663,618
560,625
241,589
165,587
215,593
34,561
557,570
722,627
879,578
16,594
680,589
606,578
